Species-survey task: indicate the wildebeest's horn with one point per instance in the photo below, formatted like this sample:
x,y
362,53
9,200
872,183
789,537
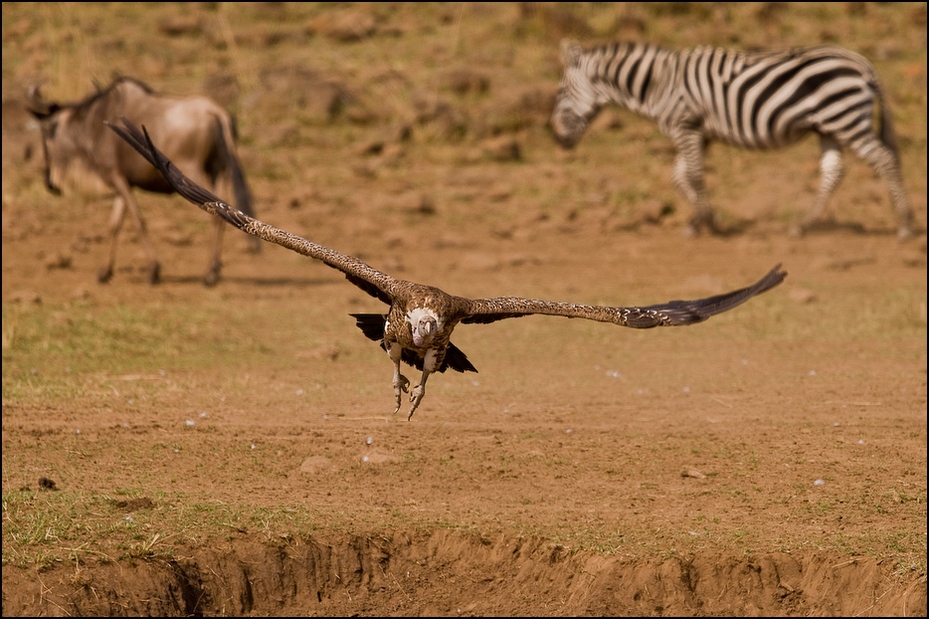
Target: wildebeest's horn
x,y
37,105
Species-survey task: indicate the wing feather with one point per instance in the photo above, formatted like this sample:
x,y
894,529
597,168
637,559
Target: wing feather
x,y
672,313
374,282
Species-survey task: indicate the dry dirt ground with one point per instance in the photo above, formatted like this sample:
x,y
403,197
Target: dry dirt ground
x,y
182,450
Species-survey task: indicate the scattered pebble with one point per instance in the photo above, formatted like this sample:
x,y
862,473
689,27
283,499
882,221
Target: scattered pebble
x,y
802,296
369,440
190,422
819,482
299,391
25,296
689,471
812,372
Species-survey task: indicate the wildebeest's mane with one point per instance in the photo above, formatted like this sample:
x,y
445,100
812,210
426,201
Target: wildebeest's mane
x,y
89,100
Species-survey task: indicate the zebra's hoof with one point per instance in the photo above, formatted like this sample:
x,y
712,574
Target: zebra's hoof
x,y
104,275
154,274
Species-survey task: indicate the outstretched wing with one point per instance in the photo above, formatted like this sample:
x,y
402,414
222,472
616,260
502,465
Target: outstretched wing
x,y
673,313
369,279
372,325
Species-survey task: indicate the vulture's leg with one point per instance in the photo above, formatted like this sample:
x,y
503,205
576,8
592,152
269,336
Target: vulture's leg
x,y
416,396
401,383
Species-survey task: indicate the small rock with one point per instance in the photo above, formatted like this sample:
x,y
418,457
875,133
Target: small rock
x,y
58,261
689,471
503,148
25,296
345,27
463,81
801,295
180,25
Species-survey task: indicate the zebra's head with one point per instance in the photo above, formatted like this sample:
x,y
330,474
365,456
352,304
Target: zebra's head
x,y
576,103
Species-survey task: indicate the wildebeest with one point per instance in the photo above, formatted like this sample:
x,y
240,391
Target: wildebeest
x,y
195,131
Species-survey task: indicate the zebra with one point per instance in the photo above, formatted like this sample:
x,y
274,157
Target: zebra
x,y
756,100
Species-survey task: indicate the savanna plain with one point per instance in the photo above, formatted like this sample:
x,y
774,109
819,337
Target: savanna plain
x,y
179,449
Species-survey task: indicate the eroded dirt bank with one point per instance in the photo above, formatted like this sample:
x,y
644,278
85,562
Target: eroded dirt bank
x,y
420,576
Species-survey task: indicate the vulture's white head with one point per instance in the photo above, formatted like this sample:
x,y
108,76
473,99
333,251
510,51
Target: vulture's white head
x,y
424,324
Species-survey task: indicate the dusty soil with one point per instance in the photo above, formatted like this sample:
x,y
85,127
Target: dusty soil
x,y
178,450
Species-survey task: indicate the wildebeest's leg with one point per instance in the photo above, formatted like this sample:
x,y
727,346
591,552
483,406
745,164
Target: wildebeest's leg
x,y
116,222
830,173
884,161
154,269
688,178
215,265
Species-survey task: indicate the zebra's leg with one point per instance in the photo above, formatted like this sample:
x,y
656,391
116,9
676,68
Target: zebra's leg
x,y
116,223
215,265
689,180
154,268
831,171
885,162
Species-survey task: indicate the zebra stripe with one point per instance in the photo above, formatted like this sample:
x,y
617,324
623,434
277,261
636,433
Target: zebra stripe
x,y
757,100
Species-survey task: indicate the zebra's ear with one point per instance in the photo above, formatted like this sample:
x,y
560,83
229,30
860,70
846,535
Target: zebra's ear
x,y
570,51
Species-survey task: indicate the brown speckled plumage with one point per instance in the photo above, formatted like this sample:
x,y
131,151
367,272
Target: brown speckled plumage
x,y
418,327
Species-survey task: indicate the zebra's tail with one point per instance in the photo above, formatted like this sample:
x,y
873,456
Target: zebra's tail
x,y
886,129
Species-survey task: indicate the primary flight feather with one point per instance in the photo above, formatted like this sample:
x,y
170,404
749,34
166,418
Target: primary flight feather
x,y
419,323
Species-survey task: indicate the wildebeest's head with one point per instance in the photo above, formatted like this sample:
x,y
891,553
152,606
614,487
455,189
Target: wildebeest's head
x,y
67,144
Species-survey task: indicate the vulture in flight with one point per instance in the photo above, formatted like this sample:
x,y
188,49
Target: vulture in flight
x,y
418,326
